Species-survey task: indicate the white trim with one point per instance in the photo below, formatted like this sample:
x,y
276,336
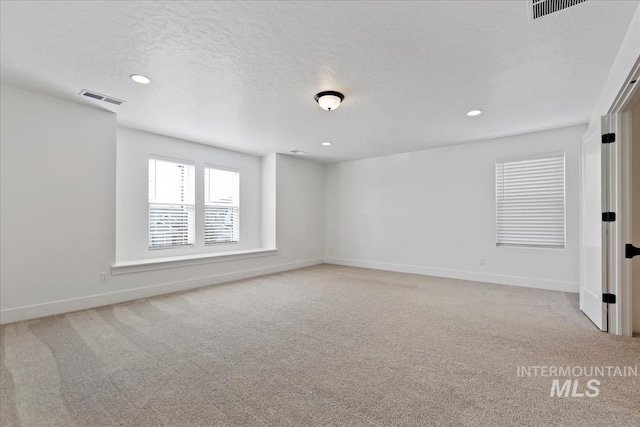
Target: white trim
x,y
625,98
137,266
27,312
611,203
224,168
625,296
528,282
171,159
532,156
620,314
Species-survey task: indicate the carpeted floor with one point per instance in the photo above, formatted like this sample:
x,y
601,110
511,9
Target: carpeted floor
x,y
325,345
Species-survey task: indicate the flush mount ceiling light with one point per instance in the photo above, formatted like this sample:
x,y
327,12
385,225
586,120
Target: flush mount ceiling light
x,y
474,113
326,144
329,99
139,78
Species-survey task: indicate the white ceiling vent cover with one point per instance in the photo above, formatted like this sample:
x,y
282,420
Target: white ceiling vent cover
x,y
100,97
542,8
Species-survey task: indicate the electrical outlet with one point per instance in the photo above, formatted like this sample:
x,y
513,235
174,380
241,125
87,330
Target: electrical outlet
x,y
483,262
103,277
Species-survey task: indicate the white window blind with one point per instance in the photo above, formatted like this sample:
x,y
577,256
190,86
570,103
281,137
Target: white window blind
x,y
530,201
222,205
171,203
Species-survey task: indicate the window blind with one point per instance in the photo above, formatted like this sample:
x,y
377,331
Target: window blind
x,y
222,205
171,203
530,201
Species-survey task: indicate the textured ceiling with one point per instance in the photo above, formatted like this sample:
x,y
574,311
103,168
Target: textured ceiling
x,y
243,75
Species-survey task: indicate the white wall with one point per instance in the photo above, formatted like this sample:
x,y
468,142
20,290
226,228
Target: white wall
x,y
132,186
300,206
268,201
58,197
58,227
433,212
626,58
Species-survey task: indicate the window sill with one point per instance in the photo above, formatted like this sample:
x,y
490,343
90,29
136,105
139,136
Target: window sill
x,y
536,247
137,266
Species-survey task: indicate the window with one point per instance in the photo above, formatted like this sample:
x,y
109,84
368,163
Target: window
x,y
171,203
221,205
530,201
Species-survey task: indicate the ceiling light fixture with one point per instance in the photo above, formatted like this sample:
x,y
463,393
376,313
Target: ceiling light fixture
x,y
326,144
329,99
474,113
139,78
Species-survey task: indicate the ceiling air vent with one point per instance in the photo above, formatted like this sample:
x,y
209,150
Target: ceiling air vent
x,y
299,152
546,7
101,97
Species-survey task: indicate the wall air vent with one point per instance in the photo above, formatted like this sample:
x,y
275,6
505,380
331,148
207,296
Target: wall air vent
x,y
101,97
547,7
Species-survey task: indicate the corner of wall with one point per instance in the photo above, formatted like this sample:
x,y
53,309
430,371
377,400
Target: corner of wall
x,y
268,202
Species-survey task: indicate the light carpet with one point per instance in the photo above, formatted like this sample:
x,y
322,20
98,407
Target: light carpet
x,y
320,346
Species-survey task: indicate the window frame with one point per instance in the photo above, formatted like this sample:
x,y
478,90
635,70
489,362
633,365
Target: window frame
x,y
205,204
499,220
192,220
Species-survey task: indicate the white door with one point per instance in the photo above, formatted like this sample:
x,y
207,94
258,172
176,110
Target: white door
x,y
592,250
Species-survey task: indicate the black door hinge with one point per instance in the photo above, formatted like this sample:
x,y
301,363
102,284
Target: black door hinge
x,y
609,298
608,138
608,216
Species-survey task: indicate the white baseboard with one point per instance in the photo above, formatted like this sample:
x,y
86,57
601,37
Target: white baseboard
x,y
27,312
528,282
17,314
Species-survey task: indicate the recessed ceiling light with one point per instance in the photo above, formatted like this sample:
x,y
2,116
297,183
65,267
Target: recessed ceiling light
x,y
473,113
326,144
139,78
